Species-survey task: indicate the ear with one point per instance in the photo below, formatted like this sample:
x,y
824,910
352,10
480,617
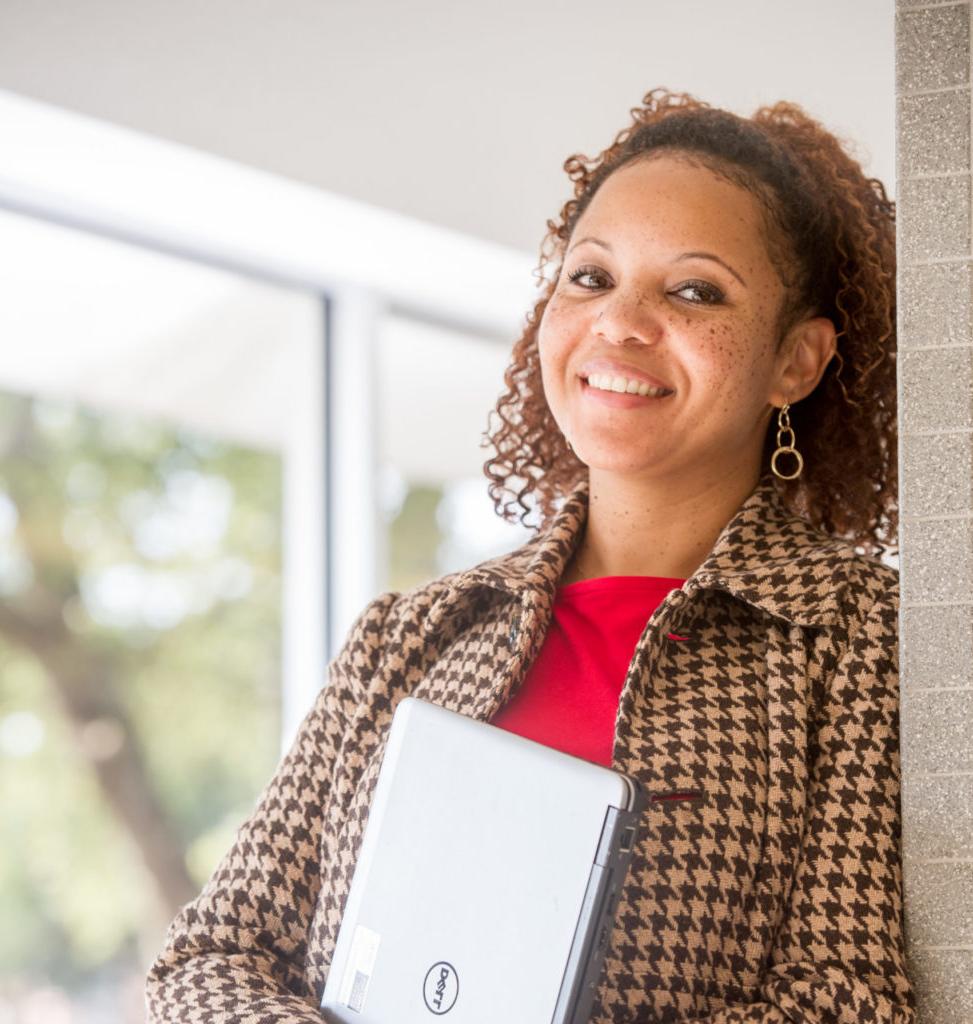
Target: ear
x,y
804,356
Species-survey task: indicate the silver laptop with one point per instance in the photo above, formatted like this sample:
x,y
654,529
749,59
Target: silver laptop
x,y
487,879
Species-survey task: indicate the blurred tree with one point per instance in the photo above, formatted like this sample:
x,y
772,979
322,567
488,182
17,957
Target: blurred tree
x,y
139,671
414,537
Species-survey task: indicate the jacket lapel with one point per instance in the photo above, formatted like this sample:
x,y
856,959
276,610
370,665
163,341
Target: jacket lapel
x,y
765,555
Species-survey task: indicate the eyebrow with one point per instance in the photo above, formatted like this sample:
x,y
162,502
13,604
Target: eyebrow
x,y
695,254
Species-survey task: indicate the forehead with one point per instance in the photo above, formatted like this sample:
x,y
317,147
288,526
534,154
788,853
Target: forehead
x,y
671,200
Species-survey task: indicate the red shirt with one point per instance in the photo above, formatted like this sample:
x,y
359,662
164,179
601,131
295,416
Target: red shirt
x,y
569,698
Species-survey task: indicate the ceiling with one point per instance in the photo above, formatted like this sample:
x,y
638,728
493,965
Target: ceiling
x,y
457,114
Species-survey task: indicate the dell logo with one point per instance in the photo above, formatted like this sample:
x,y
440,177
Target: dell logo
x,y
441,987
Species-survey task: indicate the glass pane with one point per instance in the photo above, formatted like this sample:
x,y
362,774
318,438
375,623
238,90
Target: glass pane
x,y
435,391
143,426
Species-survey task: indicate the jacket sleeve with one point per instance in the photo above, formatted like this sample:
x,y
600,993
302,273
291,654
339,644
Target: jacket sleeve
x,y
839,954
235,954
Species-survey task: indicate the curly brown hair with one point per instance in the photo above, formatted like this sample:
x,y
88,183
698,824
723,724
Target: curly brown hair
x,y
831,231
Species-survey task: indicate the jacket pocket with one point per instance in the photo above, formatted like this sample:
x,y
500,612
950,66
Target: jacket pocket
x,y
675,796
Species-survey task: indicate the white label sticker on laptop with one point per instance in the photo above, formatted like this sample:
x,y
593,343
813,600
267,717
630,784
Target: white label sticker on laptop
x,y
358,973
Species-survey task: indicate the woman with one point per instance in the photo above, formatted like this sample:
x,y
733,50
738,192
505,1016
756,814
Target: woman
x,y
702,606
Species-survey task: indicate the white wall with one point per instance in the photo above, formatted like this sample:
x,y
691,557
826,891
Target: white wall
x,y
460,114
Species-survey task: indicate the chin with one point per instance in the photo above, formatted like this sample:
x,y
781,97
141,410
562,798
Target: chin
x,y
613,463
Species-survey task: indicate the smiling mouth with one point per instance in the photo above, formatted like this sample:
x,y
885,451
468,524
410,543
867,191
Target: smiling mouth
x,y
625,386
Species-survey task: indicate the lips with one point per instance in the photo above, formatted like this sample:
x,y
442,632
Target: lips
x,y
625,385
624,400
613,368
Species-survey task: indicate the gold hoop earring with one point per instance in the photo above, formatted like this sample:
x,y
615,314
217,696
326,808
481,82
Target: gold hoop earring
x,y
784,427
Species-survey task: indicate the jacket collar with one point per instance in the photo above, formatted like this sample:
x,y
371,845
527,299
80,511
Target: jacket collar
x,y
765,555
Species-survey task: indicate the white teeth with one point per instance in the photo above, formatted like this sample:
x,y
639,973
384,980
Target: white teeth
x,y
622,385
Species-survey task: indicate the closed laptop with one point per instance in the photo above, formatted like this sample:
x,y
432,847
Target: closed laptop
x,y
487,878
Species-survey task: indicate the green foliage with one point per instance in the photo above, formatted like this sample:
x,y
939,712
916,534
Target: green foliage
x,y
414,538
162,552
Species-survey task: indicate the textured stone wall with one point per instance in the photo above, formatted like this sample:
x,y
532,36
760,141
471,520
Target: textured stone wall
x,y
935,339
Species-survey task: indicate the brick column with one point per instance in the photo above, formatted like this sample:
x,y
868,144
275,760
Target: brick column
x,y
935,342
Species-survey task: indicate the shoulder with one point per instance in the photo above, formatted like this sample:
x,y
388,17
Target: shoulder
x,y
392,616
873,612
864,641
868,579
861,584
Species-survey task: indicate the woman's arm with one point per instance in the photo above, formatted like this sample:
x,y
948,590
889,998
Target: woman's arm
x,y
236,953
839,955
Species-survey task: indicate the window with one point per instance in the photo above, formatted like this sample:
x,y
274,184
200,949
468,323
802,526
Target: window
x,y
435,389
151,410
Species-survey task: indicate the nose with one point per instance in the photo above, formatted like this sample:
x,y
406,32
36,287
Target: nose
x,y
628,316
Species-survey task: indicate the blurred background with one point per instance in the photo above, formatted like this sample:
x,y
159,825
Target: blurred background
x,y
261,267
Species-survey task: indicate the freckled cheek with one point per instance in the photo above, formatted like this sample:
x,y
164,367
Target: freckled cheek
x,y
558,319
552,361
724,354
555,335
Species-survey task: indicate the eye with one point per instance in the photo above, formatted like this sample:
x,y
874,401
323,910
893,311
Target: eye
x,y
714,295
586,272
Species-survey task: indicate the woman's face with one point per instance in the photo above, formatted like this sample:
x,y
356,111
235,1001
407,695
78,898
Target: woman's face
x,y
637,304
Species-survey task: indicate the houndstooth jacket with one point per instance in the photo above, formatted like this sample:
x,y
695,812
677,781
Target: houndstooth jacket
x,y
768,682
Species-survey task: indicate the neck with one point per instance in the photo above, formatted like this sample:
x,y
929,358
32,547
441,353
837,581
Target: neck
x,y
664,529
